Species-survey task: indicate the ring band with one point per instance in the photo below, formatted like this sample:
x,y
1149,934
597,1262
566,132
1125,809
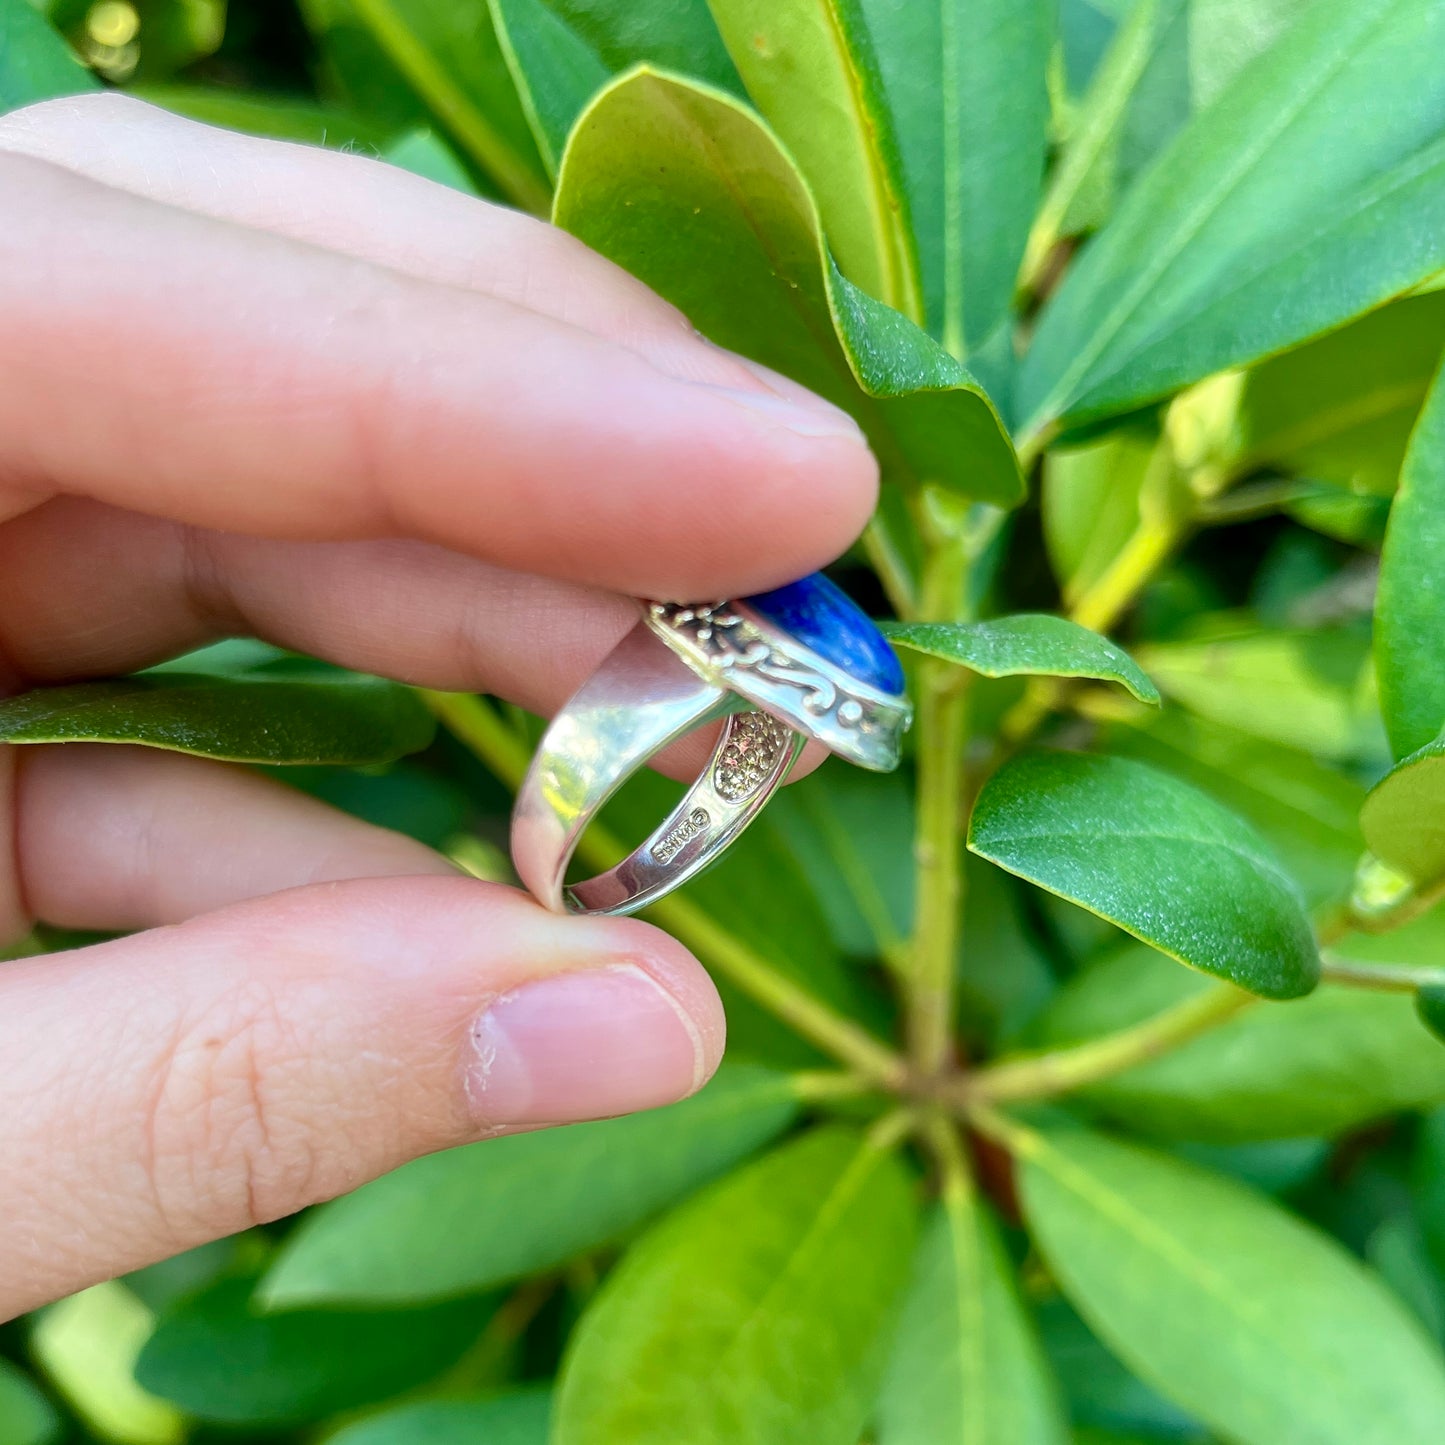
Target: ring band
x,y
779,668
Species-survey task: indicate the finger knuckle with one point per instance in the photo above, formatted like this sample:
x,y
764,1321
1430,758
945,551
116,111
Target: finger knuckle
x,y
227,1149
68,115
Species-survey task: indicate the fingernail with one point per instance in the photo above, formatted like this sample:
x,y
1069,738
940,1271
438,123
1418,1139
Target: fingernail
x,y
813,418
583,1045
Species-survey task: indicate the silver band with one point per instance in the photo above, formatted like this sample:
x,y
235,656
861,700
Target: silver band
x,y
642,699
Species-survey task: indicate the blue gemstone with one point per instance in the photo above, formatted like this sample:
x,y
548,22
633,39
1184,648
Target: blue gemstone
x,y
824,618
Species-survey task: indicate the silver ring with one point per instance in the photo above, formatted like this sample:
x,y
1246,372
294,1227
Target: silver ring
x,y
782,667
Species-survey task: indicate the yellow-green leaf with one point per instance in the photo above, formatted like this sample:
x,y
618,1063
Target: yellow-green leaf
x,y
682,185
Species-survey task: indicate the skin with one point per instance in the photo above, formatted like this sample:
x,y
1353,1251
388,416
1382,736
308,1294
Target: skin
x,y
257,389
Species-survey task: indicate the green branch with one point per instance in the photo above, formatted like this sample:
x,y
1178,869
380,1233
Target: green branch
x,y
480,727
1061,1071
1384,977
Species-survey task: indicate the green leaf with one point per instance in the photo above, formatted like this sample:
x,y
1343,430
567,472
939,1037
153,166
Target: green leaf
x,y
449,54
1028,643
1337,410
546,1197
1103,1396
1155,856
426,154
1307,689
966,86
516,1417
87,1347
1404,816
1264,1328
562,51
1319,1066
759,1311
1430,1006
966,1363
26,1416
218,1359
35,63
1410,607
810,67
1307,811
1201,267
280,117
681,185
244,720
1080,190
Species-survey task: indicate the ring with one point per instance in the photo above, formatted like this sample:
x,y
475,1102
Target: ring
x,y
801,662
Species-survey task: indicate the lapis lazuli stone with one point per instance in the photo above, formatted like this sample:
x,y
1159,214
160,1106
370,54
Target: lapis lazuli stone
x,y
824,618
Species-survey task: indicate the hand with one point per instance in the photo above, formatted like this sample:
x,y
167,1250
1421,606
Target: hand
x,y
255,388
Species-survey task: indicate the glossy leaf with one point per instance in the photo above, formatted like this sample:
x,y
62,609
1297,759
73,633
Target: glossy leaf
x,y
1264,1328
1028,644
680,185
965,83
759,1311
1319,1066
426,154
26,1416
449,54
251,719
966,1363
1307,811
1337,410
812,71
1404,816
1200,268
515,1417
35,63
1410,608
1155,856
562,51
1307,689
546,1197
218,1359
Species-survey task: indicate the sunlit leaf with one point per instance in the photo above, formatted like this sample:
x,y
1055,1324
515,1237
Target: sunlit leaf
x,y
758,1312
1028,643
1404,816
680,185
278,719
1261,1326
1155,856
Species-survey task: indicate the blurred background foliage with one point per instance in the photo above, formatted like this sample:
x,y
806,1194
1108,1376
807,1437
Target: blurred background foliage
x,y
401,1314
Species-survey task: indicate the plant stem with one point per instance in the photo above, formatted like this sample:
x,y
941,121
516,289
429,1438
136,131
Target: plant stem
x,y
478,725
1061,1071
823,1086
887,561
939,883
1384,977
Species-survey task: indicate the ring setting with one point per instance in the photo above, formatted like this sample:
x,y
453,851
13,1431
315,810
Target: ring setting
x,y
779,668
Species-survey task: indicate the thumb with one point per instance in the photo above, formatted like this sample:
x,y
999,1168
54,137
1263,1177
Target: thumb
x,y
183,1084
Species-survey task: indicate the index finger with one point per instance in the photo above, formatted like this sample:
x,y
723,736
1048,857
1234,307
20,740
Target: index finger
x,y
178,365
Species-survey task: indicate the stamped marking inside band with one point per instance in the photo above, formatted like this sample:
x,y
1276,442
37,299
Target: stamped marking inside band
x,y
672,842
